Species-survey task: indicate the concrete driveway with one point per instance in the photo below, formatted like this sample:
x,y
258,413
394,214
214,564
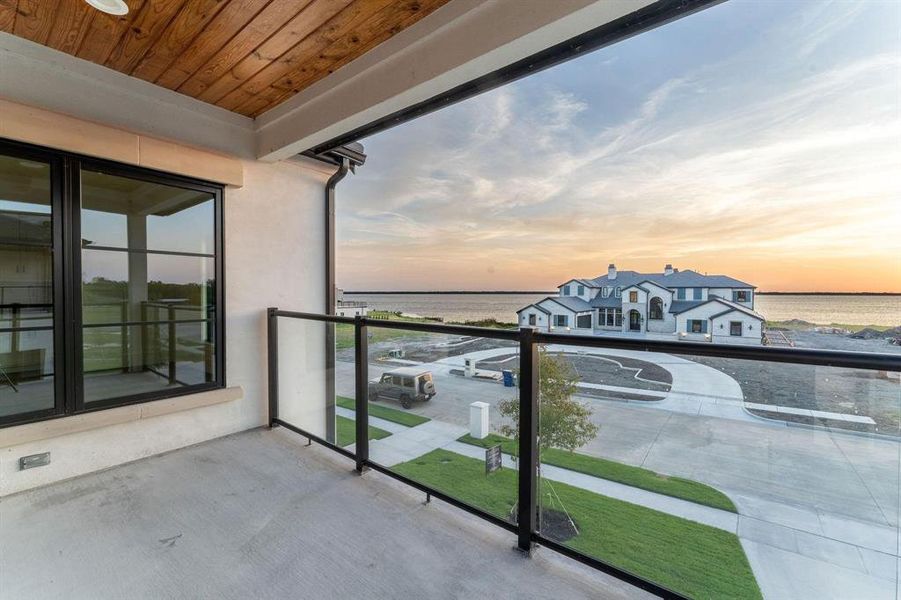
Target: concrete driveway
x,y
819,508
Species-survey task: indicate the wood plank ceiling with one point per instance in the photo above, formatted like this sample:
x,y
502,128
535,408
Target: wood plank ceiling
x,y
246,56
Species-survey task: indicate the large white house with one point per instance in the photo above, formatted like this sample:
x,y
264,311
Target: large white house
x,y
674,304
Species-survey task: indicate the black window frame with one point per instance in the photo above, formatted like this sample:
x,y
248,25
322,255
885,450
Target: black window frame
x,y
65,171
653,314
741,328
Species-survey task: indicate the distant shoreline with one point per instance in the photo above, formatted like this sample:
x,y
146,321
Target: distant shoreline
x,y
470,292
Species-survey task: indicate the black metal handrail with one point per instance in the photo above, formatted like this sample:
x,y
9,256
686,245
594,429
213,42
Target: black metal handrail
x,y
529,340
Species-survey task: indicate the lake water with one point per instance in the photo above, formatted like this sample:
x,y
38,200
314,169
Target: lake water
x,y
849,310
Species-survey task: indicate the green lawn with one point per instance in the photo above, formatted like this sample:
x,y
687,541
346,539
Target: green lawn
x,y
347,433
614,471
400,417
344,333
696,560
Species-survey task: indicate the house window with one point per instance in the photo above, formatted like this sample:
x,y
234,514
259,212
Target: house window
x,y
735,328
741,296
605,292
144,281
561,320
633,296
566,290
619,292
613,317
656,309
531,318
680,293
696,326
696,293
583,321
581,290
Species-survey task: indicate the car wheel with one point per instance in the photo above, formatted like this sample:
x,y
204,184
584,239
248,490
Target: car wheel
x,y
373,396
429,397
406,402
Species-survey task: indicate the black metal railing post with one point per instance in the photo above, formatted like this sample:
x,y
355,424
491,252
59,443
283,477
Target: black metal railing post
x,y
527,520
173,333
361,390
272,362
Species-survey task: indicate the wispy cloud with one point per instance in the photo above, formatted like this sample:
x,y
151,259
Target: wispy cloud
x,y
755,163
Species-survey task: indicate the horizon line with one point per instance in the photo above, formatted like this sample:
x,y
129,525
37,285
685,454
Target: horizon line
x,y
554,292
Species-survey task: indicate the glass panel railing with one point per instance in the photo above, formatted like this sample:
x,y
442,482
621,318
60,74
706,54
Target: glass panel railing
x,y
719,477
437,402
311,389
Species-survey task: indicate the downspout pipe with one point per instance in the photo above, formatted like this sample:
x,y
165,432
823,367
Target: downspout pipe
x,y
331,296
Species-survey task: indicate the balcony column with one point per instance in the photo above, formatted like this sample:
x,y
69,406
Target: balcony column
x,y
137,293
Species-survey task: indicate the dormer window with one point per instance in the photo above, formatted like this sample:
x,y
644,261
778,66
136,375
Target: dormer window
x,y
741,296
566,290
619,292
580,291
605,292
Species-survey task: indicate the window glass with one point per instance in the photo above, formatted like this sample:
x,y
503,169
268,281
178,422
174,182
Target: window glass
x,y
566,290
735,328
633,296
26,287
148,286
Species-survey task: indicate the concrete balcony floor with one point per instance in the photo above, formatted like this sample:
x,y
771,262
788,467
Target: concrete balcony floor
x,y
260,515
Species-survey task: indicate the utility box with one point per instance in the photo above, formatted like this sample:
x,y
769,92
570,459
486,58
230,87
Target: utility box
x,y
478,420
508,379
469,367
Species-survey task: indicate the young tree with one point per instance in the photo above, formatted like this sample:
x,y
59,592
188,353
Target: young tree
x,y
562,422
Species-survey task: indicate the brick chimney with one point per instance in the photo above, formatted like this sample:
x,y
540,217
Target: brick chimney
x,y
611,271
667,270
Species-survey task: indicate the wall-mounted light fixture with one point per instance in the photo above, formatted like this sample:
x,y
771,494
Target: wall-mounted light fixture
x,y
110,7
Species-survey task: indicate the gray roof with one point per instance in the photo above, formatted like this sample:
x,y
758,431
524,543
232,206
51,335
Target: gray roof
x,y
571,302
547,312
680,306
677,279
610,301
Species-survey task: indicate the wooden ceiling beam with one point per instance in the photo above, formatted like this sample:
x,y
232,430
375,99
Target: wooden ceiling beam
x,y
147,27
73,18
308,20
245,56
267,22
105,31
8,15
34,19
343,23
382,26
215,36
176,37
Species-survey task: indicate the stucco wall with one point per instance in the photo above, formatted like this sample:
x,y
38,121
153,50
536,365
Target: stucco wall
x,y
274,234
751,329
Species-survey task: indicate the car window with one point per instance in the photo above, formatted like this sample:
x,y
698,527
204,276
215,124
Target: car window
x,y
408,382
386,378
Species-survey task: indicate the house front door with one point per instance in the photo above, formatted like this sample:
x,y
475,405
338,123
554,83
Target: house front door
x,y
634,321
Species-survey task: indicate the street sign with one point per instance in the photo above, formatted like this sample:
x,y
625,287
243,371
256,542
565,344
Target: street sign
x,y
493,459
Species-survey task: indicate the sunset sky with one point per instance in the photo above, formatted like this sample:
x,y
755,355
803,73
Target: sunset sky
x,y
756,139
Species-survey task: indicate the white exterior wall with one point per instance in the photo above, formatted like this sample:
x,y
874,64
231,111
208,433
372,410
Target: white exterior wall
x,y
751,329
587,292
640,306
708,310
668,324
727,294
541,319
274,235
558,309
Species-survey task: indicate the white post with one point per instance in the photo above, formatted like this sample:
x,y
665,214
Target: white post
x,y
478,419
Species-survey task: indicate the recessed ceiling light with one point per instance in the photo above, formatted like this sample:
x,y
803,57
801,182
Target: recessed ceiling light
x,y
110,7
